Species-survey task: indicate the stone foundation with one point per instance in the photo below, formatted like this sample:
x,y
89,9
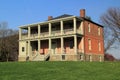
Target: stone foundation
x,y
64,57
71,57
94,57
21,58
79,57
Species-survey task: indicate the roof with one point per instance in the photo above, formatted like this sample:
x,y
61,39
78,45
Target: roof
x,y
81,18
62,16
91,21
67,16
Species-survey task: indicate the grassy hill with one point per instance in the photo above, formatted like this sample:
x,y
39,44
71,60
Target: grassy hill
x,y
60,71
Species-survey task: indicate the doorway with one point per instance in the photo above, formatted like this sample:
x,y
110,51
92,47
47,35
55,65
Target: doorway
x,y
54,46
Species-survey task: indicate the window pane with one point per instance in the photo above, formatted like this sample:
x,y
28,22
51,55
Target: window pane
x,y
23,49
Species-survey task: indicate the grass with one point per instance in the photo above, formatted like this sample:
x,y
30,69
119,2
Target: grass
x,y
60,71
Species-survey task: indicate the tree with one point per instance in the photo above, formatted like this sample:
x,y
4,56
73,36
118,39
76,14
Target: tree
x,y
8,42
111,21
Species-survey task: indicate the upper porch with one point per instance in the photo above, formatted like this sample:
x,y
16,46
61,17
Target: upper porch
x,y
52,28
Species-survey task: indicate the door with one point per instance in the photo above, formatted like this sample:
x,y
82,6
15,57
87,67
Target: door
x,y
54,46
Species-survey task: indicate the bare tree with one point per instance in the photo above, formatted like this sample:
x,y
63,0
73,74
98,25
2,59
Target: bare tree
x,y
111,21
8,41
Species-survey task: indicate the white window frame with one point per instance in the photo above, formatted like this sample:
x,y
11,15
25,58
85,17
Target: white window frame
x,y
89,27
100,58
99,46
81,57
89,44
90,58
99,32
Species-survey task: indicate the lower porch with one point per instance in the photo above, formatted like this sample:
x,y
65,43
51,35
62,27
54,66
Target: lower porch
x,y
57,47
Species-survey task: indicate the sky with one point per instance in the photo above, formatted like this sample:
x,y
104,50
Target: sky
x,y
21,12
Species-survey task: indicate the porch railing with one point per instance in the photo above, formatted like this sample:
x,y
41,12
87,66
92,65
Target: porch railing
x,y
53,33
70,51
44,34
24,36
68,31
39,57
34,35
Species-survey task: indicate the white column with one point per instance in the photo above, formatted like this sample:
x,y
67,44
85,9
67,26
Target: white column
x,y
75,27
49,29
39,30
62,45
39,46
29,32
61,26
75,44
20,33
49,45
28,48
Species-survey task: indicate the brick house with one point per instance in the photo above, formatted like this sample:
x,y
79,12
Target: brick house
x,y
63,38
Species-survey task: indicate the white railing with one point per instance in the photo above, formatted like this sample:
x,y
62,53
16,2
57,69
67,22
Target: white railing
x,y
23,36
37,56
46,56
55,33
72,51
68,31
45,34
34,35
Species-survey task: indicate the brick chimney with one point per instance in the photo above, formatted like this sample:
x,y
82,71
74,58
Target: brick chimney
x,y
50,17
82,13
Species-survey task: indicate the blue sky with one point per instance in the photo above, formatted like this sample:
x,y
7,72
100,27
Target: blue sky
x,y
21,12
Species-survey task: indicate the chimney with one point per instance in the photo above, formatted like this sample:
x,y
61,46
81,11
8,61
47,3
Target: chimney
x,y
82,13
50,17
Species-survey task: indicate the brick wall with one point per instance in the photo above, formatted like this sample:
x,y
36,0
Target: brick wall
x,y
94,37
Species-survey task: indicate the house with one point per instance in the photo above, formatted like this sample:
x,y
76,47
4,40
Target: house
x,y
63,38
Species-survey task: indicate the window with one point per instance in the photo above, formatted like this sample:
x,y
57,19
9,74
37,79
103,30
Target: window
x,y
81,57
90,58
23,49
99,31
100,58
89,27
99,46
89,44
63,57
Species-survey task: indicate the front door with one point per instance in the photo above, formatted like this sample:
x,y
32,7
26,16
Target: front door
x,y
54,46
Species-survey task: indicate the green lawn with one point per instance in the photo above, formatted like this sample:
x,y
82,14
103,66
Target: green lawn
x,y
60,71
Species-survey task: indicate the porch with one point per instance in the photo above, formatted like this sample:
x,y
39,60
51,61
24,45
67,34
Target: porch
x,y
58,46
